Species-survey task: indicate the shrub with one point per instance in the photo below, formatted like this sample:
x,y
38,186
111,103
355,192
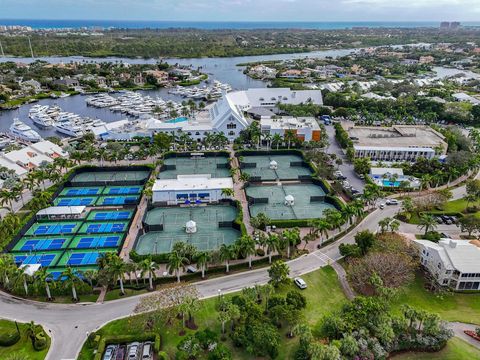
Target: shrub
x,y
297,300
162,355
433,236
9,337
40,341
260,252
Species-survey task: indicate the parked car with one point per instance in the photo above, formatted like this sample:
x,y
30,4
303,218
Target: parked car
x,y
300,283
109,352
392,202
439,220
446,236
147,352
381,206
191,269
122,349
133,351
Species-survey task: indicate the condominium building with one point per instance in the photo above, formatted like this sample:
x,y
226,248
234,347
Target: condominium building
x,y
452,263
395,143
305,128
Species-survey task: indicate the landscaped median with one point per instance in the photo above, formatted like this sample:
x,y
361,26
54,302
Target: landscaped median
x,y
27,341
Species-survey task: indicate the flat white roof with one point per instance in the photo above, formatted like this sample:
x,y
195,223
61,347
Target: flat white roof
x,y
290,123
383,170
193,183
12,166
393,148
61,210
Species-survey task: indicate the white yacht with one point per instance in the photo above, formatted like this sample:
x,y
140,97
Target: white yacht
x,y
22,131
42,120
67,128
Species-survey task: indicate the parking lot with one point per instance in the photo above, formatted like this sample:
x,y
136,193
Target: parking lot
x,y
346,168
131,351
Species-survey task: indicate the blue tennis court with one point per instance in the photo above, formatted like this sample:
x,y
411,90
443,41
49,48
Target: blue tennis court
x,y
89,258
44,259
117,200
80,191
75,201
110,215
93,242
121,190
52,228
43,244
95,228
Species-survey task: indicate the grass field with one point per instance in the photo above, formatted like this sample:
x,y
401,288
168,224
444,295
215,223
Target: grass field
x,y
22,348
456,349
324,294
450,306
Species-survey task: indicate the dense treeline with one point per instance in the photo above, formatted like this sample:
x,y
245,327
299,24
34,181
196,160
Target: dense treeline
x,y
208,43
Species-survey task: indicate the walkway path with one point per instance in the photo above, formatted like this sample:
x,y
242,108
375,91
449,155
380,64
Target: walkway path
x,y
240,193
458,329
342,277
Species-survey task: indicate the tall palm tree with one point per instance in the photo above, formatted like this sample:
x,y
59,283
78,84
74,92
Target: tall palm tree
x,y
203,259
227,253
30,180
277,139
21,278
246,247
272,245
7,267
148,266
427,222
7,197
117,269
70,278
288,238
227,192
43,278
176,262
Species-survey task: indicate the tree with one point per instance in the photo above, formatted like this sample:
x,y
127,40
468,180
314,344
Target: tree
x,y
117,268
290,237
148,266
361,166
227,253
469,224
70,278
227,193
176,262
384,224
21,278
272,245
43,278
246,247
364,240
203,259
278,272
427,222
261,221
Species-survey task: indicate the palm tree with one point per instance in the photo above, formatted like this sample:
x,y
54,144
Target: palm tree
x,y
117,269
43,278
70,278
176,262
384,224
7,266
148,266
90,276
203,259
30,181
427,222
227,192
246,247
321,227
394,225
272,245
190,306
288,238
227,253
20,277
7,197
277,139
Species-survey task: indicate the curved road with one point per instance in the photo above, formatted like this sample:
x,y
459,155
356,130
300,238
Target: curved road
x,y
69,325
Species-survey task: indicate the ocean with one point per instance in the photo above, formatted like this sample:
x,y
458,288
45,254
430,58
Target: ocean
x,y
212,25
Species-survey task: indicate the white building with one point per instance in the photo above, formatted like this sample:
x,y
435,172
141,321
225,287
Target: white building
x,y
453,263
395,143
190,189
269,97
392,177
306,128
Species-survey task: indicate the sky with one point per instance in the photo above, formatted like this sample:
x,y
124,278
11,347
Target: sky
x,y
244,10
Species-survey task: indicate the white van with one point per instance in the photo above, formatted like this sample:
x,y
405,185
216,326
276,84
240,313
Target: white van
x,y
147,353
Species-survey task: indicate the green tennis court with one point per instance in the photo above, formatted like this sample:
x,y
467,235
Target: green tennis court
x,y
209,235
42,243
54,228
275,208
110,176
82,191
88,241
216,166
289,167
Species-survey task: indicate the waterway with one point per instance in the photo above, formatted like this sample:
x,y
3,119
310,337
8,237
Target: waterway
x,y
221,69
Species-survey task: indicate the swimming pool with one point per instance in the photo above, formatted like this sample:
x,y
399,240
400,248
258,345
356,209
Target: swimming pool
x,y
388,183
177,120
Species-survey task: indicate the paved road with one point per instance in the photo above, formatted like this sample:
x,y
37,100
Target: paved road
x,y
346,168
69,324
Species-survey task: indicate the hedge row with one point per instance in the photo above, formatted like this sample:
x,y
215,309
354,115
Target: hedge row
x,y
121,339
9,338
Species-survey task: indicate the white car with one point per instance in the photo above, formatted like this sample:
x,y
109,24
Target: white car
x,y
133,351
381,206
300,283
392,202
109,352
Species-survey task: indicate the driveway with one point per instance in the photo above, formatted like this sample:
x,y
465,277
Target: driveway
x,y
346,168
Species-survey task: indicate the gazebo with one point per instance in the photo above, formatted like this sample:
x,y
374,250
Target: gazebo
x,y
289,200
191,227
273,165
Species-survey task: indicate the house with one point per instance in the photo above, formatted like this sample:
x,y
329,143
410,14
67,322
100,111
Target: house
x,y
49,149
161,76
409,62
263,71
452,263
183,73
67,82
190,189
32,85
466,98
27,158
426,59
292,74
13,167
138,80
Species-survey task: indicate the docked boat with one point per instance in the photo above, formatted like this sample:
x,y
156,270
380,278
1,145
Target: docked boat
x,y
22,131
67,128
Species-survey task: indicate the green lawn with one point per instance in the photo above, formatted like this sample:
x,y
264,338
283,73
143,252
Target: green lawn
x,y
324,294
24,346
450,306
455,206
456,349
115,294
